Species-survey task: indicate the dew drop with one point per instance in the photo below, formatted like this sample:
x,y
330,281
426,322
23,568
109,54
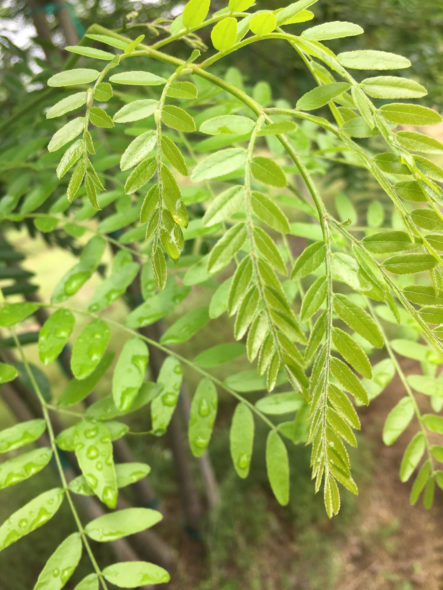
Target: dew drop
x,y
203,408
99,466
169,399
201,442
178,369
243,461
74,282
92,452
56,572
62,333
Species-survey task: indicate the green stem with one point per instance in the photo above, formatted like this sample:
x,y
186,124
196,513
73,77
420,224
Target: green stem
x,y
44,407
407,387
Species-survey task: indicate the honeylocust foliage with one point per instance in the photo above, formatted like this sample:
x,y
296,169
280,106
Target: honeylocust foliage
x,y
187,180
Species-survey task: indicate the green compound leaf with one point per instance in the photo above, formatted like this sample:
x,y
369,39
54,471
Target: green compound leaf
x,y
13,313
61,564
426,384
107,40
269,212
90,52
78,389
226,248
90,582
352,352
103,92
178,119
77,276
332,30
295,12
31,516
241,439
410,263
263,23
219,355
389,241
22,434
224,34
163,405
186,90
398,420
69,158
277,467
202,417
132,574
186,327
280,403
320,96
433,423
313,298
240,5
358,319
174,155
93,449
89,348
137,78
122,275
410,114
219,164
227,124
309,260
122,523
195,13
67,133
129,373
348,380
371,59
138,149
127,474
7,373
412,456
224,205
23,466
66,105
392,87
267,171
54,335
73,77
418,142
420,482
100,118
136,110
